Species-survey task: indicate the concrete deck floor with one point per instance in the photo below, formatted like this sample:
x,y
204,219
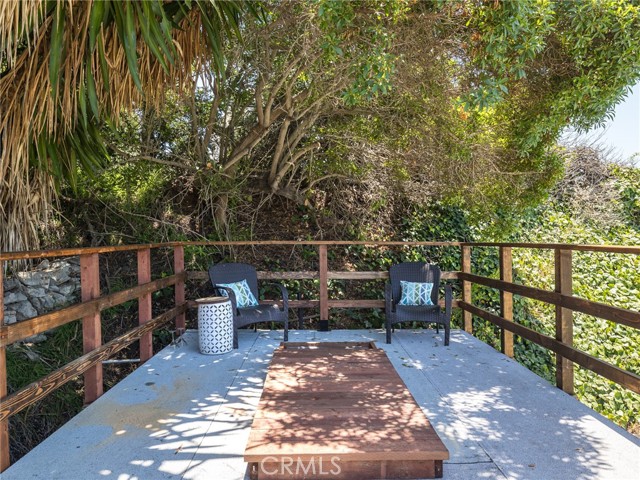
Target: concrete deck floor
x,y
183,415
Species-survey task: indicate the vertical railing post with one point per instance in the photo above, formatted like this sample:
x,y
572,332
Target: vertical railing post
x,y
506,300
4,424
324,288
178,267
467,318
564,318
144,303
91,325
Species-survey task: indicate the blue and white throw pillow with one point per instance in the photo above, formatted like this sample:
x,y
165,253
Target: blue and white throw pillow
x,y
244,297
415,293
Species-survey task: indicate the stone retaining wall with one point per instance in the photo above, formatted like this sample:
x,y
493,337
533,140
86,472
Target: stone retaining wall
x,y
47,287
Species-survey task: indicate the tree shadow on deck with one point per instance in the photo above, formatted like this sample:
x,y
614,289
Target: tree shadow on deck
x,y
186,415
527,427
180,415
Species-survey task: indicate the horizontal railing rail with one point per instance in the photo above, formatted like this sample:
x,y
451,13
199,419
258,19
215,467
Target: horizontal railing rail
x,y
93,303
68,252
631,249
19,331
596,309
311,275
35,391
618,375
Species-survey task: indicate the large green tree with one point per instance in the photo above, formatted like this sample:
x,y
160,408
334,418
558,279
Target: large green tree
x,y
347,106
384,103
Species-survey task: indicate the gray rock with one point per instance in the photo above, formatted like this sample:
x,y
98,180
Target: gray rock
x,y
10,317
58,300
50,302
47,303
41,337
31,355
67,289
37,292
24,310
60,275
44,264
11,284
37,304
53,287
33,279
73,261
74,265
13,297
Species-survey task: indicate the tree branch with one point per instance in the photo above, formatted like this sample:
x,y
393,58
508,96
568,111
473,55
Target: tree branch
x,y
290,163
258,97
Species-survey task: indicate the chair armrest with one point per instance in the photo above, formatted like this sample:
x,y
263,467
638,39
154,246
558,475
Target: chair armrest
x,y
231,294
284,293
448,300
388,298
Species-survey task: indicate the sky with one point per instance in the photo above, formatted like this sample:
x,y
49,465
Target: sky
x,y
623,132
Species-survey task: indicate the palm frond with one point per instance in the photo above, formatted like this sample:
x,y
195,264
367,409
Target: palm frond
x,y
71,65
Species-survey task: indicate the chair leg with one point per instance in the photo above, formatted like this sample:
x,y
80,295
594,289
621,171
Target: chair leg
x,y
286,331
437,328
447,331
235,338
388,333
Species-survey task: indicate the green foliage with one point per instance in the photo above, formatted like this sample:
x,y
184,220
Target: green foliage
x,y
510,35
442,221
628,180
587,30
373,94
601,277
592,40
66,342
372,66
80,153
539,66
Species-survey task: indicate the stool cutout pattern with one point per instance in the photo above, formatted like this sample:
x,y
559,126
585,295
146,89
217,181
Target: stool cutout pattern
x,y
215,328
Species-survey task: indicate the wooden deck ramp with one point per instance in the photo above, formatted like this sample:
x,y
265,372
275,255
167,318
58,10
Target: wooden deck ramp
x,y
339,411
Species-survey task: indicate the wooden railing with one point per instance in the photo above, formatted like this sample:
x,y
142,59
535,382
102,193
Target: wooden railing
x,y
95,352
88,311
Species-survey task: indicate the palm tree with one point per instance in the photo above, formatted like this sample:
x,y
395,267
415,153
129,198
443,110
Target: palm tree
x,y
69,66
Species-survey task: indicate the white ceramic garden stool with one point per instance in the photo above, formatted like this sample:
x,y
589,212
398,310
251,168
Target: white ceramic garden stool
x,y
215,325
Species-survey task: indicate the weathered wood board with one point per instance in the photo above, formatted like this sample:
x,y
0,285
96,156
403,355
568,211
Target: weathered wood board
x,y
339,411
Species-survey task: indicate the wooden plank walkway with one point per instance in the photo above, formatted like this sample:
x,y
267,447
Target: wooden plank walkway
x,y
339,410
187,416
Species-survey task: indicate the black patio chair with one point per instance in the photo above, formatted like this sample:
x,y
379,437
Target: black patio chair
x,y
416,272
225,273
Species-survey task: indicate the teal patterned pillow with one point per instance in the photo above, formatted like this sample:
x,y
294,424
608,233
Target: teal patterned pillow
x,y
415,293
244,297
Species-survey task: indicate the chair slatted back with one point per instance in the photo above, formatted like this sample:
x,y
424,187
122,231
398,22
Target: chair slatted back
x,y
414,272
234,272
